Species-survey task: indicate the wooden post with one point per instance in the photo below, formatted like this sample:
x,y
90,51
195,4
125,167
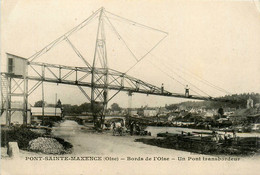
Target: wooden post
x,y
43,77
8,101
42,103
25,101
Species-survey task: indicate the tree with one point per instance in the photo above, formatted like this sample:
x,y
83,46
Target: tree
x,y
39,103
71,109
85,107
58,105
97,107
221,111
171,107
115,107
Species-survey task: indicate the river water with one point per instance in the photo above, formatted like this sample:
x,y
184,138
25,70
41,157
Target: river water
x,y
69,127
87,142
177,130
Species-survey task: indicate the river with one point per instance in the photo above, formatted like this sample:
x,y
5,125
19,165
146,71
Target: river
x,y
160,129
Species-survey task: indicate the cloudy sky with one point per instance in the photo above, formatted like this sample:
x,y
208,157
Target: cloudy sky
x,y
208,41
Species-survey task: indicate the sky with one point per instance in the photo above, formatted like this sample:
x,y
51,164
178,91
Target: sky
x,y
213,41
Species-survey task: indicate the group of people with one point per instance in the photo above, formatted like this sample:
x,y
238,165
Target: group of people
x,y
223,137
134,128
118,128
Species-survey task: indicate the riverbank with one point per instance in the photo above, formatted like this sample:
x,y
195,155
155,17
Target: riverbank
x,y
86,141
103,153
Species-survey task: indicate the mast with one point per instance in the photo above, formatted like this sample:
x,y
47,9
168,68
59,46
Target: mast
x,y
99,97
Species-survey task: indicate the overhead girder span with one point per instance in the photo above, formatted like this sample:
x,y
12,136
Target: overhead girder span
x,y
116,80
97,76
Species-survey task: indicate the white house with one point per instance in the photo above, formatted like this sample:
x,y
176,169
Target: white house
x,y
51,113
48,112
150,112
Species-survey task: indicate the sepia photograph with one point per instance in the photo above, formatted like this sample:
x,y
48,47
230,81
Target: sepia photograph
x,y
130,87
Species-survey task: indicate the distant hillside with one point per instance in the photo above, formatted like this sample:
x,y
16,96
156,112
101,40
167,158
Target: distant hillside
x,y
238,101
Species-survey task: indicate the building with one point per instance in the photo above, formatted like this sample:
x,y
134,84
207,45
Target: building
x,y
115,112
133,112
250,103
210,113
49,113
17,65
254,118
150,112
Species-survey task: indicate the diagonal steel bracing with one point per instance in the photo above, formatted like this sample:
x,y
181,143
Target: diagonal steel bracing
x,y
120,81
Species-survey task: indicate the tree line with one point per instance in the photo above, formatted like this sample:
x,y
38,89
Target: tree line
x,y
76,109
233,101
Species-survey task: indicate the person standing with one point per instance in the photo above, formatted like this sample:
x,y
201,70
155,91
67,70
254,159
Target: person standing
x,y
162,88
187,91
131,128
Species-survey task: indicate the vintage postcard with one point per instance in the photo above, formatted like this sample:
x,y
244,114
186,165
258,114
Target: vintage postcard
x,y
130,87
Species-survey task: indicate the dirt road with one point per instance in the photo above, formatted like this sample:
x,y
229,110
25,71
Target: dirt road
x,y
86,142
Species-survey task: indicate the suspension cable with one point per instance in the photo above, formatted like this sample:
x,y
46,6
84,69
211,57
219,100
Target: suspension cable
x,y
63,37
201,79
78,52
119,37
147,53
137,24
197,77
172,77
185,73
